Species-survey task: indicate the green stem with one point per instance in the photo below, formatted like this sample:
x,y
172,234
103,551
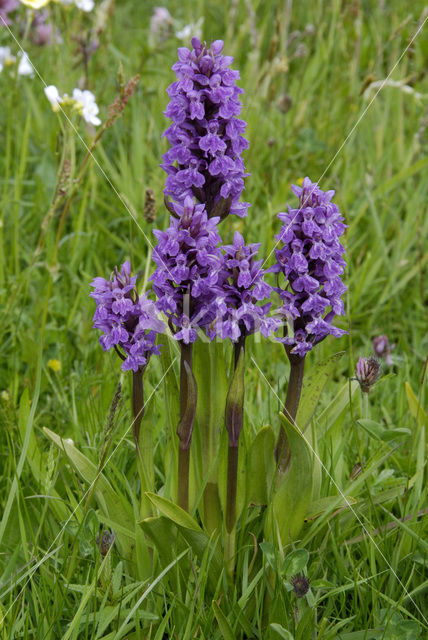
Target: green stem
x,y
185,438
297,365
137,404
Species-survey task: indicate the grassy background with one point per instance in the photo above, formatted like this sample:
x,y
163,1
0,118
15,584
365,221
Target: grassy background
x,y
373,154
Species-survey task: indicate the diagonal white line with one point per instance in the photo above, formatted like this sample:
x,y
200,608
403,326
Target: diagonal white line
x,y
88,490
110,183
419,29
36,71
344,497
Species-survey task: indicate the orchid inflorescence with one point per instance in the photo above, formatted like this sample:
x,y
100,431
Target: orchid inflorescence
x,y
206,288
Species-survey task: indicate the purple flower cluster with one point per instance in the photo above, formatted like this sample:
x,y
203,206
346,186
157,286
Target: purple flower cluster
x,y
311,261
188,265
242,288
206,139
128,322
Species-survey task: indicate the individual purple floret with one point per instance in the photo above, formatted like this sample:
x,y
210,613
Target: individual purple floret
x,y
128,321
206,139
188,265
243,287
311,261
382,348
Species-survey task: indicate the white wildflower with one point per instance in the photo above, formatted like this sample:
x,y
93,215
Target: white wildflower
x,y
190,31
25,68
6,58
85,5
161,21
52,94
86,105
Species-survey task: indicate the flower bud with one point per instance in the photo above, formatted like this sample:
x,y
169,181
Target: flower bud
x,y
367,373
300,585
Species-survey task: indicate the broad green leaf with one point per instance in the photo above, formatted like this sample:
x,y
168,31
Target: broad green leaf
x,y
169,355
283,633
115,506
260,467
210,373
295,562
286,513
197,539
224,626
313,384
163,535
172,511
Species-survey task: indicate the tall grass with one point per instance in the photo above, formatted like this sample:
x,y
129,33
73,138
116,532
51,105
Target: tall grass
x,y
308,113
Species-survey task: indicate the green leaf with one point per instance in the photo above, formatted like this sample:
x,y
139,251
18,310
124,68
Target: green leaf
x,y
197,539
313,385
210,372
225,628
115,506
260,467
415,406
295,562
286,512
283,633
172,511
163,535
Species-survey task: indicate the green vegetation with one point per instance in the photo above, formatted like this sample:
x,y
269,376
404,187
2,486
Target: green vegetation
x,y
308,70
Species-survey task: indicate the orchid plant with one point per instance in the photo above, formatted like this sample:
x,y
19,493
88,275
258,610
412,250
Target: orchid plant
x,y
206,296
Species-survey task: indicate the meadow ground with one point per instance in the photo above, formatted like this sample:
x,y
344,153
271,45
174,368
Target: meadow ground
x,y
316,105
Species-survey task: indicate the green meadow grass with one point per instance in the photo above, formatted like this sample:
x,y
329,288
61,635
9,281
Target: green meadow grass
x,y
369,568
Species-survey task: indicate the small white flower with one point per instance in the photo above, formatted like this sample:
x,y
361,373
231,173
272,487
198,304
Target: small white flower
x,y
85,5
85,103
25,68
6,57
161,21
52,94
191,30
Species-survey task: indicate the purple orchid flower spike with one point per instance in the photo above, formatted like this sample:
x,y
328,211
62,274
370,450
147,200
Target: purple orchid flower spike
x,y
311,263
188,263
206,138
310,259
130,325
129,322
243,288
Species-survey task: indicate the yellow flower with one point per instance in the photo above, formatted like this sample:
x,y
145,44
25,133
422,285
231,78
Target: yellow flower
x,y
55,365
35,4
299,181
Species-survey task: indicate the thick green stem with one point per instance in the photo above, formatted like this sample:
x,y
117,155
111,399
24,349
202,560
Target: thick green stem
x,y
183,477
297,365
185,427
